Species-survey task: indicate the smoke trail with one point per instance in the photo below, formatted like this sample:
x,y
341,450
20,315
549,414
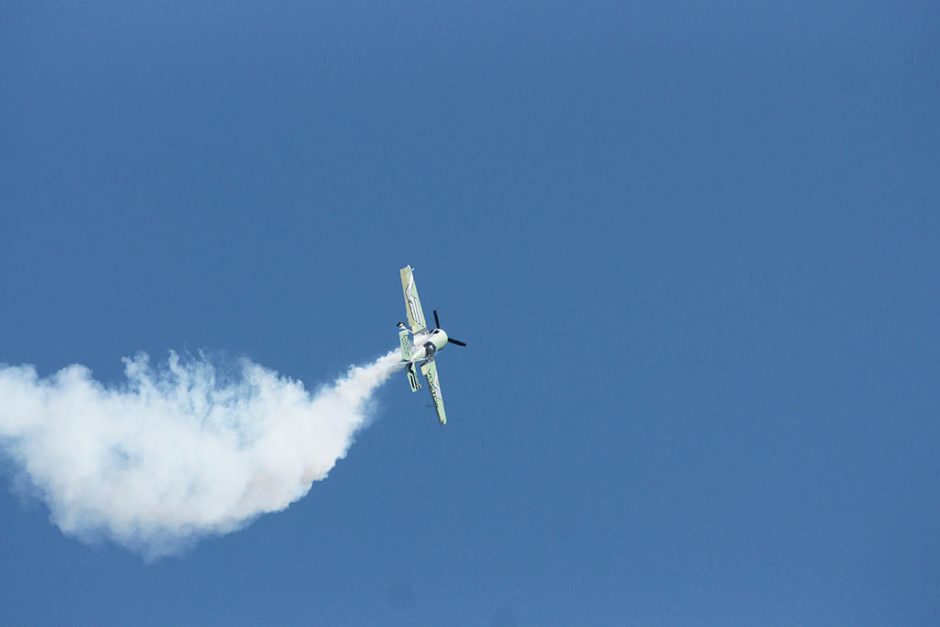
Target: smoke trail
x,y
177,451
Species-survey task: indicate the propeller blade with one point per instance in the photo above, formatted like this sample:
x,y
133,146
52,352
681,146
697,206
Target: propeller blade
x,y
451,340
437,323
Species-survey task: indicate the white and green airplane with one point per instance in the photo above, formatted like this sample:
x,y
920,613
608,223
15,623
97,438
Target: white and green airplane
x,y
419,346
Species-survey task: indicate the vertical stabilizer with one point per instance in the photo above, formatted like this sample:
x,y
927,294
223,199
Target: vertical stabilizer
x,y
405,342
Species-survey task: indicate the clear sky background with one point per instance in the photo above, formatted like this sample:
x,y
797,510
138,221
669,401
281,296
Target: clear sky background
x,y
694,248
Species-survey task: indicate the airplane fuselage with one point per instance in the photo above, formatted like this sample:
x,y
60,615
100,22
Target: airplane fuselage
x,y
426,345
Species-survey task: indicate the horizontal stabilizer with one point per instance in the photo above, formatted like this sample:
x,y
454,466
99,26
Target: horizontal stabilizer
x,y
413,380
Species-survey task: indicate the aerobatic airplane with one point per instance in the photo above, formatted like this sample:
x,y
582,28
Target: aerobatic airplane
x,y
420,348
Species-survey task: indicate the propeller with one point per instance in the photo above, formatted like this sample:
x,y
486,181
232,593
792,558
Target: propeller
x,y
450,340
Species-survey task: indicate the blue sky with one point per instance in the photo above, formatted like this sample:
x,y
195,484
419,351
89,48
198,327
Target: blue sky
x,y
694,250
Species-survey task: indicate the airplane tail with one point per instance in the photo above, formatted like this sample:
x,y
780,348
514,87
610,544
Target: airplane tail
x,y
404,339
413,380
405,342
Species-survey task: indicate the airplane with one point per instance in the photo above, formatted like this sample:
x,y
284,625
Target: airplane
x,y
420,349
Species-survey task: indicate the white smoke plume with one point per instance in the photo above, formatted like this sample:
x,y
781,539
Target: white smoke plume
x,y
178,451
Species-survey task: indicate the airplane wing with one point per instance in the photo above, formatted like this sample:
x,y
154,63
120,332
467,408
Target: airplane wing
x,y
412,302
429,370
